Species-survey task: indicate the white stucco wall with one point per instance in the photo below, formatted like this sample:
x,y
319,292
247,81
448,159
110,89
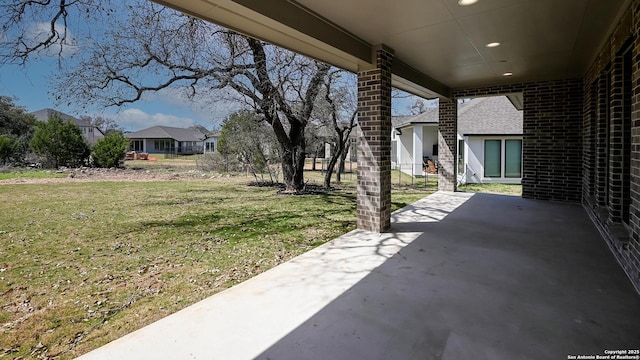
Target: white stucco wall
x,y
475,160
404,159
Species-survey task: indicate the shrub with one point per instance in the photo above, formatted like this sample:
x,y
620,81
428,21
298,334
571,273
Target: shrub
x,y
16,128
110,150
246,138
8,149
60,143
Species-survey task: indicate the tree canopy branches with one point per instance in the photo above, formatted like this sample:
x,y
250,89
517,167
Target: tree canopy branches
x,y
33,27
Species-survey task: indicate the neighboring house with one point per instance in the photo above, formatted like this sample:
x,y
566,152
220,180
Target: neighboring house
x,y
90,132
211,141
411,135
167,140
489,141
490,132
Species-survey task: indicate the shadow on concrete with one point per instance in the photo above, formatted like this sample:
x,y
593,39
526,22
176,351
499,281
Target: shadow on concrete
x,y
485,277
461,276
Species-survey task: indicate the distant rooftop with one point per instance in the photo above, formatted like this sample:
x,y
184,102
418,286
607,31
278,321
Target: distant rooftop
x,y
494,115
44,115
430,116
168,132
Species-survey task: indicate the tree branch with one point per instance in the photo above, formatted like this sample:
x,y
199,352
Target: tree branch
x,y
20,49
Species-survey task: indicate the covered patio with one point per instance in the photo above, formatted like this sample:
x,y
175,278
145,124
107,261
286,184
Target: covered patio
x,y
455,276
572,65
528,279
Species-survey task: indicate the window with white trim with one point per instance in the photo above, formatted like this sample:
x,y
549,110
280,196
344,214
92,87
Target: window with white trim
x,y
513,158
503,158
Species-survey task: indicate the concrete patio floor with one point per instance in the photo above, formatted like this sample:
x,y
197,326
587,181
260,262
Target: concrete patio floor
x,y
461,276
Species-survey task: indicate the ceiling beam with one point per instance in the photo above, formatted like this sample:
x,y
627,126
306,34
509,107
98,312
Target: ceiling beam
x,y
297,17
416,82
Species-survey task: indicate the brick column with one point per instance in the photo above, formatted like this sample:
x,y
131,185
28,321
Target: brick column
x,y
447,144
374,144
616,141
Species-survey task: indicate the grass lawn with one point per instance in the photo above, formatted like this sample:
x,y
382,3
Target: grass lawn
x,y
504,189
83,263
30,174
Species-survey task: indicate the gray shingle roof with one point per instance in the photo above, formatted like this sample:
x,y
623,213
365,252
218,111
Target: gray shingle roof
x,y
44,115
430,116
490,115
167,132
480,116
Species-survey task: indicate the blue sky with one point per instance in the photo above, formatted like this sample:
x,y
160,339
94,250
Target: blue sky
x,y
30,86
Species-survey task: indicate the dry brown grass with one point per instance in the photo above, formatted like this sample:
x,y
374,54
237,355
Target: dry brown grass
x,y
83,263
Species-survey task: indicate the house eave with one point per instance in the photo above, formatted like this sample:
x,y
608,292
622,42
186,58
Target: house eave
x,y
494,134
416,123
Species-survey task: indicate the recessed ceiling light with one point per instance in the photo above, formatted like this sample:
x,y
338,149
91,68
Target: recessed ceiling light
x,y
493,44
467,2
507,74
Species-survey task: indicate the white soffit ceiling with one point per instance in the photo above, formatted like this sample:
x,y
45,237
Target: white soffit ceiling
x,y
540,39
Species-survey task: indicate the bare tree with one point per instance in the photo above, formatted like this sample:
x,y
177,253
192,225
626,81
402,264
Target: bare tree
x,y
35,27
105,124
415,105
341,118
316,140
418,107
343,157
158,49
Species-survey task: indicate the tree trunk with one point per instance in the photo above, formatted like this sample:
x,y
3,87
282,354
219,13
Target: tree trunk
x,y
293,157
330,167
313,164
292,169
343,157
335,156
273,103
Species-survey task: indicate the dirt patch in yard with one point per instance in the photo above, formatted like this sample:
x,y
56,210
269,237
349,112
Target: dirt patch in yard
x,y
113,174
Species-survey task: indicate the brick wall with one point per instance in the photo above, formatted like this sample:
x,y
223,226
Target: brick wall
x,y
615,142
602,133
552,136
552,141
447,144
607,76
589,143
630,257
374,145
